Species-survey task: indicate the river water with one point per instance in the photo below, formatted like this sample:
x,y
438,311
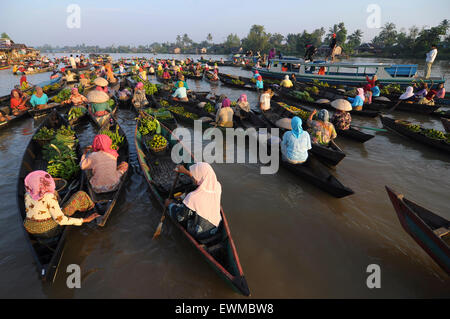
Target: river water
x,y
294,241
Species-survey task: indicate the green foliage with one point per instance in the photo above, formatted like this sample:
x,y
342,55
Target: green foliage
x,y
116,137
76,112
209,108
63,95
44,134
148,125
181,111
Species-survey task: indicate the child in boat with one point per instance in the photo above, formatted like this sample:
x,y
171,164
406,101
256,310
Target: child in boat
x,y
44,216
102,162
199,212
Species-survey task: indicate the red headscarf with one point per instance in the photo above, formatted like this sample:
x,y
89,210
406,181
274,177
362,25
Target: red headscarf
x,y
23,79
103,143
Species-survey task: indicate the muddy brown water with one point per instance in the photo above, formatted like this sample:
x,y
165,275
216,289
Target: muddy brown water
x,y
294,240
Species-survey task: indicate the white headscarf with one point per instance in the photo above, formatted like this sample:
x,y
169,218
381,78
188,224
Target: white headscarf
x,y
286,77
205,200
409,92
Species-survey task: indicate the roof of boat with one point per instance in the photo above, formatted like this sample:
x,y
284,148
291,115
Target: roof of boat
x,y
338,64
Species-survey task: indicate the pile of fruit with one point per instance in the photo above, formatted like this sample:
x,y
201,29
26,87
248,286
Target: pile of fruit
x,y
313,90
304,96
117,139
431,133
164,103
158,142
63,95
181,111
44,134
160,114
49,88
237,82
60,154
111,103
209,108
304,115
150,88
320,83
148,125
76,112
391,89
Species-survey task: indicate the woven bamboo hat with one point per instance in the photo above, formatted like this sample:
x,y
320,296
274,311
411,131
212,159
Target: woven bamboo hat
x,y
97,97
323,101
341,105
101,82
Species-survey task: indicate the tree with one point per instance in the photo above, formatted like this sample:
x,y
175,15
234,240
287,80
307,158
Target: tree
x,y
354,39
341,33
232,41
387,36
209,38
276,41
187,42
257,39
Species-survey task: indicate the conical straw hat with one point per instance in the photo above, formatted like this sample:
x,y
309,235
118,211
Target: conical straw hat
x,y
100,82
342,105
97,97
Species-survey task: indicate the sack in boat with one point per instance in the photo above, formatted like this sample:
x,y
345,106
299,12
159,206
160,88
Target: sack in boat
x,y
323,101
284,123
97,97
382,98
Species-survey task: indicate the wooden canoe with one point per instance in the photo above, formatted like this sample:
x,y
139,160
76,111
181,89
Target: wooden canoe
x,y
107,201
219,251
47,253
395,125
430,231
209,78
102,120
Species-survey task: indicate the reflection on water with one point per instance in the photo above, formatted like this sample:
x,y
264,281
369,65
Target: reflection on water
x,y
294,241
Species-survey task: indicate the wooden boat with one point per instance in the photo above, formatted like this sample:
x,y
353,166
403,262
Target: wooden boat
x,y
287,94
317,174
219,251
47,253
441,114
446,124
351,133
37,112
13,119
430,231
107,201
190,75
171,123
401,128
229,82
43,70
209,78
4,67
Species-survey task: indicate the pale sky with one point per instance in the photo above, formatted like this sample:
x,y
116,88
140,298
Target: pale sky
x,y
136,22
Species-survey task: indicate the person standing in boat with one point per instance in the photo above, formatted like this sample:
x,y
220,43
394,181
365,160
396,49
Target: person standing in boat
x,y
199,212
295,143
431,56
332,47
72,62
102,162
321,130
368,88
311,50
259,83
341,118
224,117
23,82
139,98
357,101
44,216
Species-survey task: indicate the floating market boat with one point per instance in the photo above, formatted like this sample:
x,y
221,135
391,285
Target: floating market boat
x,y
430,231
352,74
219,250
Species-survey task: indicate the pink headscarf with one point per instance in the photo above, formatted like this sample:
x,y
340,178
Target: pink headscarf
x,y
74,90
99,88
139,85
103,143
205,200
361,93
39,183
243,98
226,102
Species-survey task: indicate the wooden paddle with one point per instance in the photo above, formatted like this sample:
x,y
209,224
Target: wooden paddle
x,y
393,108
158,230
332,142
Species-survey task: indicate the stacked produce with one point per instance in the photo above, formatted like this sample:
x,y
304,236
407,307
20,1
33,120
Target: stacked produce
x,y
391,89
148,125
117,139
181,111
313,90
237,82
76,112
431,133
164,103
298,112
303,96
209,108
160,114
157,143
63,95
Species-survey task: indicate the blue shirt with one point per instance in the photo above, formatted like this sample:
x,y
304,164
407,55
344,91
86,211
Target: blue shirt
x,y
375,91
357,101
34,101
180,93
296,149
259,84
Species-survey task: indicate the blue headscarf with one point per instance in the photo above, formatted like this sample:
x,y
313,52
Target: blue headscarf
x,y
323,115
296,124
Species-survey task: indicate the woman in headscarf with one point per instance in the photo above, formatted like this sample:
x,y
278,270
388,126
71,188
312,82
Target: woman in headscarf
x,y
441,92
357,101
76,98
243,107
23,82
44,215
166,75
224,117
368,88
341,118
286,83
199,212
102,161
408,95
181,79
321,130
423,92
180,93
143,74
139,98
295,143
39,98
429,98
259,83
18,102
